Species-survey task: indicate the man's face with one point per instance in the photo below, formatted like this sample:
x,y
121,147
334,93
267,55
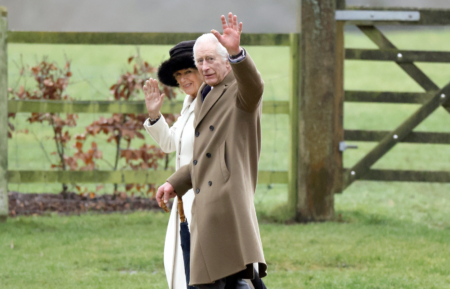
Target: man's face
x,y
211,65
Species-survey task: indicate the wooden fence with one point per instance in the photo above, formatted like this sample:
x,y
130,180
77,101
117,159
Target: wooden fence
x,y
317,51
120,176
433,97
320,172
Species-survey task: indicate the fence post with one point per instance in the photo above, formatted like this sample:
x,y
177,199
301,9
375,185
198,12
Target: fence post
x,y
317,111
3,115
293,122
339,100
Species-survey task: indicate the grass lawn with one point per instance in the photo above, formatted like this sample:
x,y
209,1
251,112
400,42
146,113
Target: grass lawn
x,y
386,235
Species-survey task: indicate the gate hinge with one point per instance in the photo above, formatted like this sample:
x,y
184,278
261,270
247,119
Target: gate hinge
x,y
343,146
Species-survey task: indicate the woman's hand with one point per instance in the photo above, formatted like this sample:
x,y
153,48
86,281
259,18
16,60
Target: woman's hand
x,y
231,37
153,100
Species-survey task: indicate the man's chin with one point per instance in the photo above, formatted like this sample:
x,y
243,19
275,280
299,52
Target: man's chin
x,y
211,82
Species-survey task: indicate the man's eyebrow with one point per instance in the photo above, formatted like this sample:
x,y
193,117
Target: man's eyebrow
x,y
207,55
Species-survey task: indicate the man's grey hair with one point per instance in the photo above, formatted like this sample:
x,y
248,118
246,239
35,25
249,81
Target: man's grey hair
x,y
210,38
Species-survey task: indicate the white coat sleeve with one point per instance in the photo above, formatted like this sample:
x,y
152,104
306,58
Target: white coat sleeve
x,y
162,134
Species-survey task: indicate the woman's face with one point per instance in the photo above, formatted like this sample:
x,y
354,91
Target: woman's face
x,y
189,80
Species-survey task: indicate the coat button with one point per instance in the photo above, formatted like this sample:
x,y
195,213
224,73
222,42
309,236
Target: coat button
x,y
211,128
197,133
210,183
195,162
197,191
208,155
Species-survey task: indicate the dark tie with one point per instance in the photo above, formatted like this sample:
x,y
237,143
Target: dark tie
x,y
205,92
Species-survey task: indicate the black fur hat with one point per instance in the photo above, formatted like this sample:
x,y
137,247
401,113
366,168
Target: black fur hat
x,y
181,57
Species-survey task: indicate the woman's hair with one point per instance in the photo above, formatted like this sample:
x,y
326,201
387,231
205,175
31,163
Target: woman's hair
x,y
210,38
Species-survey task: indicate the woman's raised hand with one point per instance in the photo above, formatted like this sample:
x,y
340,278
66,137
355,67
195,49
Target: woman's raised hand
x,y
153,100
231,37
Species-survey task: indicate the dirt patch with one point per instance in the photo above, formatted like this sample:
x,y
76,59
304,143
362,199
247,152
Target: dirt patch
x,y
72,203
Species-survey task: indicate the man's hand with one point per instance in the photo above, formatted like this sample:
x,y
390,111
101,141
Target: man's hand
x,y
165,192
231,37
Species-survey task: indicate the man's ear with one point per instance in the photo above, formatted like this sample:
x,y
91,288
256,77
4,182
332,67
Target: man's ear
x,y
227,64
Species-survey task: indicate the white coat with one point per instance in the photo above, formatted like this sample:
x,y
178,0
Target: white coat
x,y
179,138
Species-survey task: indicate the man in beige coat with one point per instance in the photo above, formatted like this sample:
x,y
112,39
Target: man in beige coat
x,y
225,240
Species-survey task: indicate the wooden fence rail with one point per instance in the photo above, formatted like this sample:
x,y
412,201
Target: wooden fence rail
x,y
397,55
405,176
127,38
412,137
121,176
42,106
388,97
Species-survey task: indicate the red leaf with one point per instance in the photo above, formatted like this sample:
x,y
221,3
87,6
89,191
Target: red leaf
x,y
79,145
80,137
140,135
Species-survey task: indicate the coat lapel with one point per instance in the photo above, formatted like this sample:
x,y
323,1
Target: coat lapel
x,y
182,120
198,104
202,109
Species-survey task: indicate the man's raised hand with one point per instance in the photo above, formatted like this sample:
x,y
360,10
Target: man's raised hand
x,y
231,37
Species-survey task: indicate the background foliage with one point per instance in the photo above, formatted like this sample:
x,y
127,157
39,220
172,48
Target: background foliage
x,y
51,83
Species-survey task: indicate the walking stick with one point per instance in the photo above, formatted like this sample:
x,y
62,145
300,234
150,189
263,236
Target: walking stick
x,y
181,210
164,207
185,239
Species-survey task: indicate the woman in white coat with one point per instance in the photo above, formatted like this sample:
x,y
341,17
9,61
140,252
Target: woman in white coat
x,y
180,71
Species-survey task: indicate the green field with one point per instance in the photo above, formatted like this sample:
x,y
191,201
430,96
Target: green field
x,y
386,235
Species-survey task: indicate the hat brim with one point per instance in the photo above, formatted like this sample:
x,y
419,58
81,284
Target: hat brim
x,y
172,65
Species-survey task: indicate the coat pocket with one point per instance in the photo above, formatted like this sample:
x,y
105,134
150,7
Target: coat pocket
x,y
223,163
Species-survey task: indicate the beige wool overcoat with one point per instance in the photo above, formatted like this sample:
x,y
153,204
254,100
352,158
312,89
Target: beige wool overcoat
x,y
225,236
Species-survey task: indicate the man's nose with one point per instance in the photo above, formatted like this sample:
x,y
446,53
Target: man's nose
x,y
205,66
